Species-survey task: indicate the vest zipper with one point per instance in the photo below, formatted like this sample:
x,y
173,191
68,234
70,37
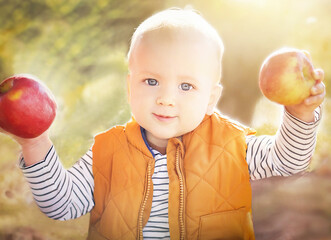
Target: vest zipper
x,y
141,213
181,197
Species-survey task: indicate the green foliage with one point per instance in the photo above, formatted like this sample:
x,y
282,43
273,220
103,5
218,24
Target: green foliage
x,y
78,48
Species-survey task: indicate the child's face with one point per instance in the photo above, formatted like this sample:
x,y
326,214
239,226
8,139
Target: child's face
x,y
172,83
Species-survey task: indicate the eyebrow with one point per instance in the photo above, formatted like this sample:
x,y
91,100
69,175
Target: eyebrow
x,y
187,77
158,76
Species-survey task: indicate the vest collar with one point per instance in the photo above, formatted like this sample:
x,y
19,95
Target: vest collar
x,y
143,134
137,137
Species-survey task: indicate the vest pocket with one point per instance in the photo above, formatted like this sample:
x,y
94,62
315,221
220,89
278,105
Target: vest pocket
x,y
228,225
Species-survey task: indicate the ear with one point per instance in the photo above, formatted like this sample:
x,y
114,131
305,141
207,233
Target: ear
x,y
128,88
216,93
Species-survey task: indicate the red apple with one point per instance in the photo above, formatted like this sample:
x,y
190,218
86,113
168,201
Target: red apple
x,y
286,76
27,107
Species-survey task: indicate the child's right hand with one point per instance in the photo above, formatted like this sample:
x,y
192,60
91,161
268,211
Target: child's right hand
x,y
19,140
33,149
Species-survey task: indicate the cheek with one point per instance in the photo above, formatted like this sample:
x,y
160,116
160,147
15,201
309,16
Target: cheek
x,y
194,108
139,99
197,103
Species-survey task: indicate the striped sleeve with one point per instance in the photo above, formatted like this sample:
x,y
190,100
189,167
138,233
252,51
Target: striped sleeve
x,y
61,194
287,153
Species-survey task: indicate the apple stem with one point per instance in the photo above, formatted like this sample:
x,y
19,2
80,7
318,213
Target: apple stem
x,y
6,86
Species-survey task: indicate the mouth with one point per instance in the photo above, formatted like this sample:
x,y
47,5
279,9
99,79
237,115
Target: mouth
x,y
163,118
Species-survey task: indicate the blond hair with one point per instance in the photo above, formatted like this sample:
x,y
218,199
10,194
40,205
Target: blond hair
x,y
177,19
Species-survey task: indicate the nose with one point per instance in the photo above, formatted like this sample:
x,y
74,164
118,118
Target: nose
x,y
166,98
165,101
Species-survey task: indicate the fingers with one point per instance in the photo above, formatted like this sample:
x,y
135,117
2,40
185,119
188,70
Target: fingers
x,y
318,88
318,95
318,75
315,100
307,54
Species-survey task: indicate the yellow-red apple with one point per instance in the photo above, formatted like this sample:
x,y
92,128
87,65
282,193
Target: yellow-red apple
x,y
27,107
286,76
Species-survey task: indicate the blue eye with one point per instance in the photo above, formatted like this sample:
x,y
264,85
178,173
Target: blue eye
x,y
185,86
151,82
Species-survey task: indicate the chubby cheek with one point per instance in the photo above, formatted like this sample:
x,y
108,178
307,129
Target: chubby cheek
x,y
194,110
139,102
200,103
136,105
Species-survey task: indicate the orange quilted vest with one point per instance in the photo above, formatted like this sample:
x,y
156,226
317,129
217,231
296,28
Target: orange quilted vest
x,y
209,188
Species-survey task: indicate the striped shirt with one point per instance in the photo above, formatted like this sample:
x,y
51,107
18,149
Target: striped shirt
x,y
157,226
67,194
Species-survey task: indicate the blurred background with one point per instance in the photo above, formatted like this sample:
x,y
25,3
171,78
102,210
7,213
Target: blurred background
x,y
78,48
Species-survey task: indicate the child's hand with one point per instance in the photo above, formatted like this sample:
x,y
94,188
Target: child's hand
x,y
25,142
305,110
33,149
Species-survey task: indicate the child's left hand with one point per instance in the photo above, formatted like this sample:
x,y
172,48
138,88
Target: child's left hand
x,y
305,110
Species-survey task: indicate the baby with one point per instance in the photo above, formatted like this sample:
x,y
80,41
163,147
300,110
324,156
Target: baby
x,y
178,169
